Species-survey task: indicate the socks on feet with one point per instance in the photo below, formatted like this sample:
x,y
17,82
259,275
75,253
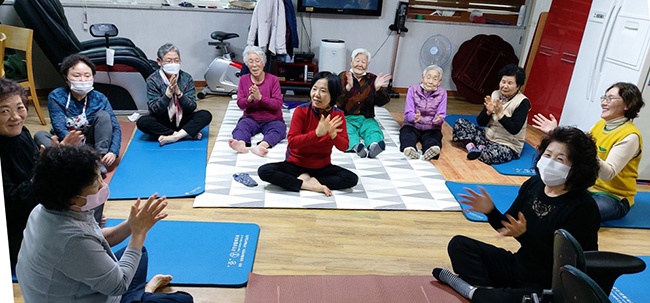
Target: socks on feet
x,y
431,153
411,152
376,148
459,285
470,146
360,149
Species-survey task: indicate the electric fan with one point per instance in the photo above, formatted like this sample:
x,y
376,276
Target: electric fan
x,y
435,50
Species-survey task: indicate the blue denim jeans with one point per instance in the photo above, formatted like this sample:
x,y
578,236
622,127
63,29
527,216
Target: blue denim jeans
x,y
610,207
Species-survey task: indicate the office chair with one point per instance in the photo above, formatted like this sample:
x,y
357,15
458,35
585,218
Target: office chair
x,y
123,83
20,38
578,287
603,267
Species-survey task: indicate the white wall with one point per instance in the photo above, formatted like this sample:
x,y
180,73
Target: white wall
x,y
189,29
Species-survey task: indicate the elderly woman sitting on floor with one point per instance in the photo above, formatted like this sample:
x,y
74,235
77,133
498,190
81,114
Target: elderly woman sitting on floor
x,y
260,97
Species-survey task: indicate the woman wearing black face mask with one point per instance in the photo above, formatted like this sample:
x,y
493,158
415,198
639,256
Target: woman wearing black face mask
x,y
66,257
555,198
77,107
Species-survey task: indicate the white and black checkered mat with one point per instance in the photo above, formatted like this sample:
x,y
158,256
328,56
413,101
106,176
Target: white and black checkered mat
x,y
390,181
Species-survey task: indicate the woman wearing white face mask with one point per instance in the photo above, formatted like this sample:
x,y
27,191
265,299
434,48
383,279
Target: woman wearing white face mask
x,y
66,257
172,101
555,198
77,107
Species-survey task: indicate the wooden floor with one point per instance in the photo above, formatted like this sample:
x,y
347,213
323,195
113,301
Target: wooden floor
x,y
302,241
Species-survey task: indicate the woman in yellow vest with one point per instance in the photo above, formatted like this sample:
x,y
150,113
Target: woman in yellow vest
x,y
619,145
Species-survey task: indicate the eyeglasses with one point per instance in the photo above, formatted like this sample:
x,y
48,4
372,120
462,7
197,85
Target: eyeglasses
x,y
256,62
609,98
172,61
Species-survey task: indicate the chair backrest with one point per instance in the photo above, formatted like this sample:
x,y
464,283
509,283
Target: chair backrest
x,y
18,38
566,251
3,37
577,287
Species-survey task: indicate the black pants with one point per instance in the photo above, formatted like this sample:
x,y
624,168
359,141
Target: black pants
x,y
192,123
285,175
409,136
482,264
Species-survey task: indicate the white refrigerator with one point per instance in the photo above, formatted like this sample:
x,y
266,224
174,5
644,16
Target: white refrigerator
x,y
614,48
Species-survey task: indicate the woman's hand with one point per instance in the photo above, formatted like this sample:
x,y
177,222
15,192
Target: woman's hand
x,y
382,80
349,80
254,91
418,116
478,202
335,126
514,227
323,126
489,105
144,215
544,124
108,159
436,119
172,89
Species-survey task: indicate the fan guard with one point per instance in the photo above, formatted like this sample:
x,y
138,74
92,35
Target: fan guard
x,y
435,50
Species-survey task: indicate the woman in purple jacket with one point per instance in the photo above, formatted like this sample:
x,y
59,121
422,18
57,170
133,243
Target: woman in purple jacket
x,y
424,113
260,97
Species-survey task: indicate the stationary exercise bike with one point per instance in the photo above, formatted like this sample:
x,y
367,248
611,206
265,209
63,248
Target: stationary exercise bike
x,y
222,75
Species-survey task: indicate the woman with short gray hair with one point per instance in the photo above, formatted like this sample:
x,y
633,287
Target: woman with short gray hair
x,y
172,101
260,97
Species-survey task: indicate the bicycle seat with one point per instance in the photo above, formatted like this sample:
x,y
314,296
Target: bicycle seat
x,y
221,36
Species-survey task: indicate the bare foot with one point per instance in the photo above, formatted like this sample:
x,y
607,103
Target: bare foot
x,y
304,177
260,150
313,185
156,282
237,145
198,136
168,139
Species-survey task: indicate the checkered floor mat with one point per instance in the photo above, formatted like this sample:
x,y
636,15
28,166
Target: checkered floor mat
x,y
390,181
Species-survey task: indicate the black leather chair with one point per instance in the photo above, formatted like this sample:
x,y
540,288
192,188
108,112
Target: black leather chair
x,y
123,83
603,267
578,287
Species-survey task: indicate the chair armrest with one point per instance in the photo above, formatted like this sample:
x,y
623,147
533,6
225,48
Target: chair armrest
x,y
605,267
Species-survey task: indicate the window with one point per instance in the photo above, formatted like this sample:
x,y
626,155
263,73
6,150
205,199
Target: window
x,y
493,11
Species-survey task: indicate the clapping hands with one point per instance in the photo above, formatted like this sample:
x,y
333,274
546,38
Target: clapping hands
x,y
329,125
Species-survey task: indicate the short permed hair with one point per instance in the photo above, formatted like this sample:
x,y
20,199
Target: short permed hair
x,y
61,173
10,88
513,70
582,154
74,59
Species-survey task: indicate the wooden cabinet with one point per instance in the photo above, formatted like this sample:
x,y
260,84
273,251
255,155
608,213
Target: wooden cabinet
x,y
476,65
550,75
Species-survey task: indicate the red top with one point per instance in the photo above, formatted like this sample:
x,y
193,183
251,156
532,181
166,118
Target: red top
x,y
305,148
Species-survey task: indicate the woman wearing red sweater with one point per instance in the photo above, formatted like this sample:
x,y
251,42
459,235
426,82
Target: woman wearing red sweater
x,y
315,128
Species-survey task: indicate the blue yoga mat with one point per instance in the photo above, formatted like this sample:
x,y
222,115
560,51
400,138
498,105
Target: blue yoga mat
x,y
173,170
200,253
632,288
519,167
504,195
524,166
451,119
638,217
